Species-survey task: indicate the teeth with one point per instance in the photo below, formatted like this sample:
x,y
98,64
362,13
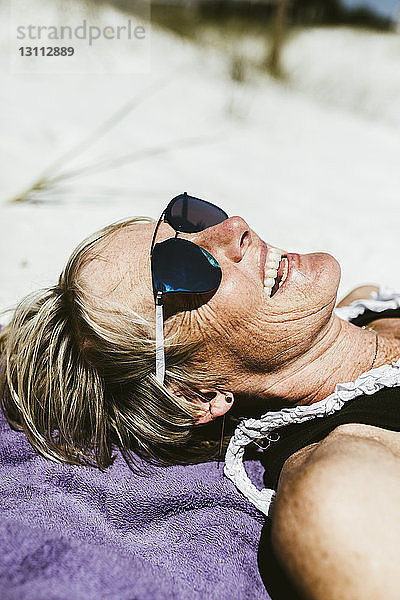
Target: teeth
x,y
271,269
269,281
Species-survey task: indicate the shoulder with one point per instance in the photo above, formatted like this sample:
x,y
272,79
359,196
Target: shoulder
x,y
388,327
336,514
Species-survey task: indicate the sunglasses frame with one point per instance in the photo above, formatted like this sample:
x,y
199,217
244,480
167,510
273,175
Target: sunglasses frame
x,y
166,217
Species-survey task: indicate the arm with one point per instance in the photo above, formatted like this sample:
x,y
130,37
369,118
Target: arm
x,y
336,523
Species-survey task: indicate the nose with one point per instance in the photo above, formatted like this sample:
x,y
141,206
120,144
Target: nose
x,y
231,237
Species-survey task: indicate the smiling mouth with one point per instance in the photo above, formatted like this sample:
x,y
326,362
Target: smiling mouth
x,y
276,271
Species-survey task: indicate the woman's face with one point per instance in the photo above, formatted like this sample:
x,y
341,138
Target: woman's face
x,y
246,331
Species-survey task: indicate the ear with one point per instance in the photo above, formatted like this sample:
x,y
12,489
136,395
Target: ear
x,y
216,405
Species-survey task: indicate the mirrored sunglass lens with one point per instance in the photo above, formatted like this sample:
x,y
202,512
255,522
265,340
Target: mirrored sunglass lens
x,y
180,266
190,214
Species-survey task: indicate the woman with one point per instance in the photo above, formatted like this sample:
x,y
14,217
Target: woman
x,y
149,337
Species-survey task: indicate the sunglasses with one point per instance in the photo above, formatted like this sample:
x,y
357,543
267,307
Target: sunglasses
x,y
180,266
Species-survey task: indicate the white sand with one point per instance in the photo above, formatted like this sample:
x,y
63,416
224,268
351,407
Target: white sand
x,y
312,164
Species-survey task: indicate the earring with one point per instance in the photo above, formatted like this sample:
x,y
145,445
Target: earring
x,y
221,441
228,398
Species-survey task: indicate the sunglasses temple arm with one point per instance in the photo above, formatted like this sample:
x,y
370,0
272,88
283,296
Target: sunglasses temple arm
x,y
160,353
155,232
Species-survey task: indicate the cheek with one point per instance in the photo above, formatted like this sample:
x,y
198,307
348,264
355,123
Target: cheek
x,y
232,313
305,308
236,322
263,332
238,298
309,299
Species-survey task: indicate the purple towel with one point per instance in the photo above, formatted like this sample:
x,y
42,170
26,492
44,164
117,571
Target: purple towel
x,y
70,532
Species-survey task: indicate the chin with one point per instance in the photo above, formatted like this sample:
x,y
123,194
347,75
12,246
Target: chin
x,y
323,260
325,271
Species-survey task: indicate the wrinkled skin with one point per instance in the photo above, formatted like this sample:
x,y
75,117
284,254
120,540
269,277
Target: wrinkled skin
x,y
284,350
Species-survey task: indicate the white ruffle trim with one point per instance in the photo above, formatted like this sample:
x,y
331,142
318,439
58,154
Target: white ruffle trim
x,y
384,299
367,383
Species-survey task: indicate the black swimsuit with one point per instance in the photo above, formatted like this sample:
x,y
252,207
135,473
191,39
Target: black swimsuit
x,y
381,409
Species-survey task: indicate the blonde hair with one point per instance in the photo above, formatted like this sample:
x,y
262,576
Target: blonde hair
x,y
78,377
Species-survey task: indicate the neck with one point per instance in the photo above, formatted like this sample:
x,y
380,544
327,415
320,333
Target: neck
x,y
340,354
